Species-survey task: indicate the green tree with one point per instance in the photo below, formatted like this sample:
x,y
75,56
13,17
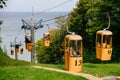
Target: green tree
x,y
54,53
2,3
90,16
115,27
86,19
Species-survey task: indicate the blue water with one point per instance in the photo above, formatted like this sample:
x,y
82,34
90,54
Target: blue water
x,y
11,28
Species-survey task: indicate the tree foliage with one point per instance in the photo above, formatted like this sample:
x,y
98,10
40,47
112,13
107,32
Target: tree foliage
x,y
54,53
90,16
2,3
85,19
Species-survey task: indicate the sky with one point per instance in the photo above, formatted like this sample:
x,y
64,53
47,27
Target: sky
x,y
39,5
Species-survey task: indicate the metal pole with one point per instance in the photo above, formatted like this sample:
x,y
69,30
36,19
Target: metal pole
x,y
15,49
15,55
32,26
33,45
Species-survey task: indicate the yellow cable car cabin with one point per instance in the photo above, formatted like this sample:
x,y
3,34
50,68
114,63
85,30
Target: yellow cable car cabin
x,y
28,42
46,39
29,47
12,51
16,47
73,53
104,44
21,51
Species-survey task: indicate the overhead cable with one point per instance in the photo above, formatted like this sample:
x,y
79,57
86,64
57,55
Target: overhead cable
x,y
53,18
63,3
56,6
17,34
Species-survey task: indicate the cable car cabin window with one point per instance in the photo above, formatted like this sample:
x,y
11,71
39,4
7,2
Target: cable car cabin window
x,y
47,37
27,40
107,41
17,46
98,40
75,46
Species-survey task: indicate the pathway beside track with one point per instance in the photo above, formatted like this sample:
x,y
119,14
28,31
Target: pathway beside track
x,y
87,76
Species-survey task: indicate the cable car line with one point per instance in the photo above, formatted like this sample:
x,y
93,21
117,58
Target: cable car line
x,y
25,23
53,18
15,45
17,34
48,26
49,23
51,7
36,26
56,6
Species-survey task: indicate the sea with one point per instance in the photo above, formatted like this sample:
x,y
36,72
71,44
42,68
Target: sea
x,y
11,29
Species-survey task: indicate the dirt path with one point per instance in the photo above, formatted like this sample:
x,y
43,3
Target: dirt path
x,y
111,78
87,76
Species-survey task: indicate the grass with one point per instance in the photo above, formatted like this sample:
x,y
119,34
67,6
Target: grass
x,y
29,73
102,70
7,61
11,69
98,70
57,66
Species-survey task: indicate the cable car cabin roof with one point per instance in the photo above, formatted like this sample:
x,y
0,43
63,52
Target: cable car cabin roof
x,y
73,37
27,35
104,32
46,33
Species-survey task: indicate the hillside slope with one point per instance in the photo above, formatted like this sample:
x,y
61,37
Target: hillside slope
x,y
7,61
